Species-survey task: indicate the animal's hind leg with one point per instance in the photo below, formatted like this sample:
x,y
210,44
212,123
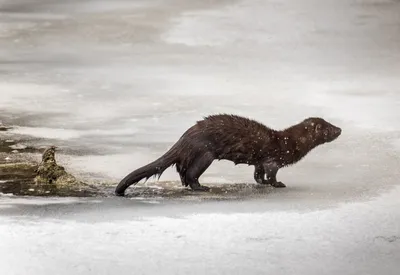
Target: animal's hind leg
x,y
196,169
181,173
259,174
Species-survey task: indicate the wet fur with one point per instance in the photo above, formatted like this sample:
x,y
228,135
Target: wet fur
x,y
240,140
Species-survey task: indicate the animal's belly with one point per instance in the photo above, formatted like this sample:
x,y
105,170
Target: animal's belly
x,y
238,158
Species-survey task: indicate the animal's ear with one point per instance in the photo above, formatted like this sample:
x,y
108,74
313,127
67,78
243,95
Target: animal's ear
x,y
318,127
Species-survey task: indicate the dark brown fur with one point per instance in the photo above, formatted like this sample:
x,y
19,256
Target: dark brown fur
x,y
240,140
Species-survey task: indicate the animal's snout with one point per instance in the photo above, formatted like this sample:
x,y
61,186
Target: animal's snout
x,y
337,131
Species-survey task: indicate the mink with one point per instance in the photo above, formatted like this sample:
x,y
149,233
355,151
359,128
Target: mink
x,y
240,140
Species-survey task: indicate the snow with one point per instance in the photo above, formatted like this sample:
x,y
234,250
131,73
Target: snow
x,y
355,238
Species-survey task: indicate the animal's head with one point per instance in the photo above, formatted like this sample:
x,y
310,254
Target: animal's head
x,y
321,130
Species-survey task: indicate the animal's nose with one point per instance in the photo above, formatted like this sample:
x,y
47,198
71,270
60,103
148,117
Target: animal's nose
x,y
338,131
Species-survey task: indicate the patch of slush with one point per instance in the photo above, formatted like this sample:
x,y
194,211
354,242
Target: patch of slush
x,y
18,96
5,195
9,29
102,6
155,200
272,22
397,144
66,134
48,133
38,201
357,238
228,25
369,111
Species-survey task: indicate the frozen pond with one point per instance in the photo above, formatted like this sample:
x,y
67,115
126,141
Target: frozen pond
x,y
253,237
115,83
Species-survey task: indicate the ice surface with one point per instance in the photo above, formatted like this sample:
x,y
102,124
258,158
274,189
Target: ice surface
x,y
356,238
115,84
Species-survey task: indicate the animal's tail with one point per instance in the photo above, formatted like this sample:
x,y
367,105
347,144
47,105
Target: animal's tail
x,y
155,168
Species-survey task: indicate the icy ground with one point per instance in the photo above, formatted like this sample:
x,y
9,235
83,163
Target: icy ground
x,y
115,83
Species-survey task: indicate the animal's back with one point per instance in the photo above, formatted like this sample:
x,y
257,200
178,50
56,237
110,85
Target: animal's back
x,y
232,137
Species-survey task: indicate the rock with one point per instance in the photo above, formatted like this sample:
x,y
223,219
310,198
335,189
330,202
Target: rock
x,y
49,172
44,179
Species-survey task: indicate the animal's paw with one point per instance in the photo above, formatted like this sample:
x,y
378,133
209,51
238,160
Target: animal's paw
x,y
278,184
200,188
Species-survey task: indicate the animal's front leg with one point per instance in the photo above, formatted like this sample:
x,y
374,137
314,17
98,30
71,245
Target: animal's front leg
x,y
259,174
271,169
